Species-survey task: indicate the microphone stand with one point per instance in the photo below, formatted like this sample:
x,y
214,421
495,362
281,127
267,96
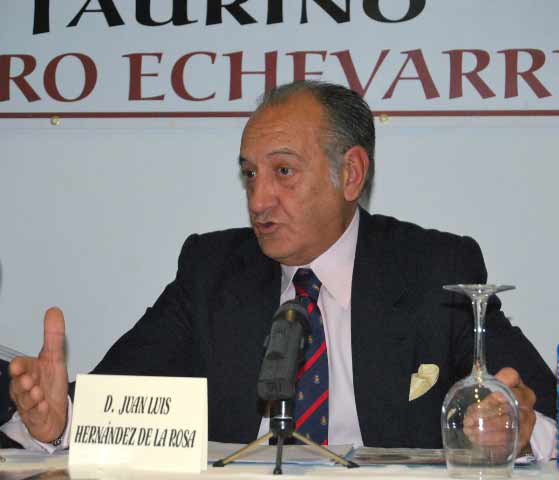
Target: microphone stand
x,y
282,426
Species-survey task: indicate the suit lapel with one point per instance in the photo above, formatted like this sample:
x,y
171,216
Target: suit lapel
x,y
253,293
241,321
382,346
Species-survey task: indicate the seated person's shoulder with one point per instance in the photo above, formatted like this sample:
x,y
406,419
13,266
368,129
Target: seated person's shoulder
x,y
216,250
216,261
421,239
231,238
429,255
6,405
221,241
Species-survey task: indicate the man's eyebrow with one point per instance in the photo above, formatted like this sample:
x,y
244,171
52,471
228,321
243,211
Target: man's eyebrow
x,y
283,151
279,151
286,153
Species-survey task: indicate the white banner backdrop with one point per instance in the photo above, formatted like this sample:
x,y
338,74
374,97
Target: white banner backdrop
x,y
103,175
407,57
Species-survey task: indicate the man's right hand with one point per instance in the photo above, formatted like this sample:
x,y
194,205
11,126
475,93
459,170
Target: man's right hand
x,y
39,386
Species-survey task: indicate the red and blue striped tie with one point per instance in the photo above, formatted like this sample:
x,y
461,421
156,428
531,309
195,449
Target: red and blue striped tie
x,y
311,403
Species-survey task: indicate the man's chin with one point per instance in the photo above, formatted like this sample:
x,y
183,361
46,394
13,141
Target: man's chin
x,y
272,248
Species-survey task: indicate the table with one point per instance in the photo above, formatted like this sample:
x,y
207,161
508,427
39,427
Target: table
x,y
56,469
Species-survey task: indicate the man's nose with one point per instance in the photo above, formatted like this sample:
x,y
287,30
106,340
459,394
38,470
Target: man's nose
x,y
261,195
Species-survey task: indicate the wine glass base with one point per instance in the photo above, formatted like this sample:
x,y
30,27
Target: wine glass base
x,y
460,470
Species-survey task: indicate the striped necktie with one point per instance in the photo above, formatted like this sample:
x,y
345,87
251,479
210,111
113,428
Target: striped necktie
x,y
311,402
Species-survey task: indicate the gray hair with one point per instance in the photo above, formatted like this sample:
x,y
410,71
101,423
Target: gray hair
x,y
349,123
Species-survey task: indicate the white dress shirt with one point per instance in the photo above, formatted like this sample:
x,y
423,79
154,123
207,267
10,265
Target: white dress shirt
x,y
334,268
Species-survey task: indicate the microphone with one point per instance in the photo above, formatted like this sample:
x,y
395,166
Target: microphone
x,y
284,351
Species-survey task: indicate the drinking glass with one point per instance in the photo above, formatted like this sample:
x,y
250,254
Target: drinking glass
x,y
479,417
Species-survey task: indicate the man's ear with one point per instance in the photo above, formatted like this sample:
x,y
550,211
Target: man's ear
x,y
355,166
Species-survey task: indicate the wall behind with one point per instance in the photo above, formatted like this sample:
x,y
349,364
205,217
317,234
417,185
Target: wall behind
x,y
93,211
92,220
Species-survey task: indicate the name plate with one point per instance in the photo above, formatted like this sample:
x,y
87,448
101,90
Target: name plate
x,y
144,423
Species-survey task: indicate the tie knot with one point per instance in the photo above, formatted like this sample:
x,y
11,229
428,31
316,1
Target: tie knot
x,y
307,284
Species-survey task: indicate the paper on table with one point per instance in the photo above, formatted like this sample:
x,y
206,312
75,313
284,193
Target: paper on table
x,y
393,456
14,462
24,457
409,456
525,460
295,454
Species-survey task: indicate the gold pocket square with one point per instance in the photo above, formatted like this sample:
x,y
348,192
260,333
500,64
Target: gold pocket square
x,y
426,376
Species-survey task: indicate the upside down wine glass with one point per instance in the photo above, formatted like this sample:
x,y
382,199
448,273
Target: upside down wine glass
x,y
479,417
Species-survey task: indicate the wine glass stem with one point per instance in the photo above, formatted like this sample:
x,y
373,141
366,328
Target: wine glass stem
x,y
479,304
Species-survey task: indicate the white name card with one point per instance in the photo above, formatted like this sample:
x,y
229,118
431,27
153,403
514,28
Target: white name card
x,y
143,423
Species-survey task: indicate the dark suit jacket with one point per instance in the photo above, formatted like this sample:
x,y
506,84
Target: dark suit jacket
x,y
212,320
7,407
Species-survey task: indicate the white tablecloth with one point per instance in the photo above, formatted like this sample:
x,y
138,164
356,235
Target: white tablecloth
x,y
14,469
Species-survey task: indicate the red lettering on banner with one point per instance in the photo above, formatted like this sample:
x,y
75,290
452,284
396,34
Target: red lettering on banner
x,y
136,75
29,64
423,75
300,63
236,72
90,77
344,57
18,71
512,73
456,58
177,77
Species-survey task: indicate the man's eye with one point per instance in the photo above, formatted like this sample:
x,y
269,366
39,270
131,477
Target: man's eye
x,y
248,173
285,171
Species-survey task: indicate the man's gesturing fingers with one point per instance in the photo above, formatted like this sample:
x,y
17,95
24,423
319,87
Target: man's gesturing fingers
x,y
39,385
23,371
54,332
26,399
21,365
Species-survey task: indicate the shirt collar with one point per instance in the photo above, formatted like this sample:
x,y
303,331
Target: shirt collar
x,y
334,267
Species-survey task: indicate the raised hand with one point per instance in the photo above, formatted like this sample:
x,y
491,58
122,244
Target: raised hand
x,y
39,386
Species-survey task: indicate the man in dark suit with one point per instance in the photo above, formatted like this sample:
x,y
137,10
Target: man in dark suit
x,y
306,157
5,404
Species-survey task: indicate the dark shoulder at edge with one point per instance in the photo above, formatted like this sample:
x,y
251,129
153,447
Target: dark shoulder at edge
x,y
392,227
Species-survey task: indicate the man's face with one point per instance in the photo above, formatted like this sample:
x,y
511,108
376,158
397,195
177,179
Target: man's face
x,y
295,210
